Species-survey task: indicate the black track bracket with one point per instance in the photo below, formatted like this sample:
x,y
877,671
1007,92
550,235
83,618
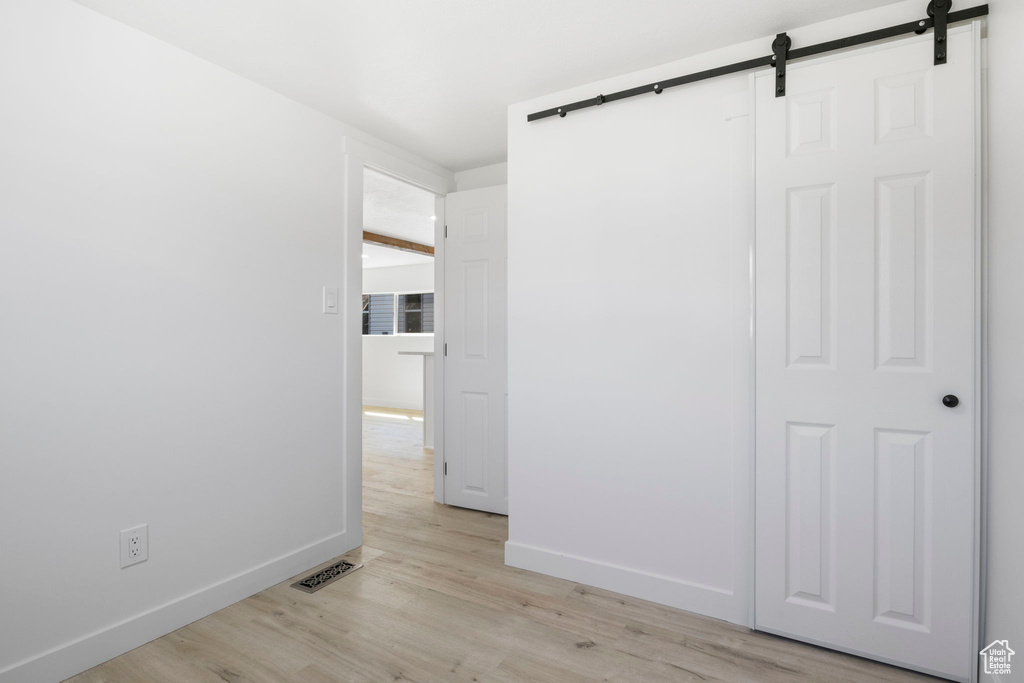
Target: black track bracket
x,y
939,11
780,50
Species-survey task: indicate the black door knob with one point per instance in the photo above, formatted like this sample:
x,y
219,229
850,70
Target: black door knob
x,y
950,401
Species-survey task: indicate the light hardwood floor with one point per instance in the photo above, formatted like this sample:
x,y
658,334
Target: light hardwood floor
x,y
434,602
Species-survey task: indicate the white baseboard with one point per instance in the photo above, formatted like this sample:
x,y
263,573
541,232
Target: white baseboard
x,y
97,647
692,597
385,403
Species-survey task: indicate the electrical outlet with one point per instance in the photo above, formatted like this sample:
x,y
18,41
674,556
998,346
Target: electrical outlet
x,y
134,545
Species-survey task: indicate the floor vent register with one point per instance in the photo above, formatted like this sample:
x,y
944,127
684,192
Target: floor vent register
x,y
318,580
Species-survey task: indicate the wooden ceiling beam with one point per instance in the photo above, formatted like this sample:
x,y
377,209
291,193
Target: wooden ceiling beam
x,y
396,243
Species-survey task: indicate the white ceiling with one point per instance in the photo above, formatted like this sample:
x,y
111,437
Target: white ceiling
x,y
383,257
392,207
436,77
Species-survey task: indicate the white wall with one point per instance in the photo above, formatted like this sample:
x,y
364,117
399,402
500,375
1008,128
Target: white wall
x,y
389,379
165,231
623,471
484,176
417,277
629,344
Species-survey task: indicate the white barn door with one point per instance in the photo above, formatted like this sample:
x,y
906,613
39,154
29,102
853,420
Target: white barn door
x,y
866,319
475,365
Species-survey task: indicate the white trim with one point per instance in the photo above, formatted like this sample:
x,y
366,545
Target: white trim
x,y
440,226
95,648
692,597
982,596
352,346
751,529
981,339
739,109
435,179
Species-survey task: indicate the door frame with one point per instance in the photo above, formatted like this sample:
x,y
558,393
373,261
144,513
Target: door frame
x,y
356,157
979,563
440,233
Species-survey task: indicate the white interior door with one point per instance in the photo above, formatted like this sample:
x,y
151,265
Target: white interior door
x,y
866,319
475,364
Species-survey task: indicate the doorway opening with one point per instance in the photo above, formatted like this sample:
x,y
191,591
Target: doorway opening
x,y
398,325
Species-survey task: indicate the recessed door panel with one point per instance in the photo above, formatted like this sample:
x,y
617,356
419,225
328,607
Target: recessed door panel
x,y
903,271
474,315
903,506
903,106
812,126
474,426
811,515
811,265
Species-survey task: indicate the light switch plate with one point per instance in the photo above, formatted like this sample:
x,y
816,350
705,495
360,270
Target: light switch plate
x,y
331,300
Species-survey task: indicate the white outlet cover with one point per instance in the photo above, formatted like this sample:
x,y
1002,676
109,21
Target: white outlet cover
x,y
134,545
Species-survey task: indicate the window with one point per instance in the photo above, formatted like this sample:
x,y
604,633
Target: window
x,y
398,313
378,313
415,313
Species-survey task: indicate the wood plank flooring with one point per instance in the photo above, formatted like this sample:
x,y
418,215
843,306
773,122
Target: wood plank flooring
x,y
435,602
